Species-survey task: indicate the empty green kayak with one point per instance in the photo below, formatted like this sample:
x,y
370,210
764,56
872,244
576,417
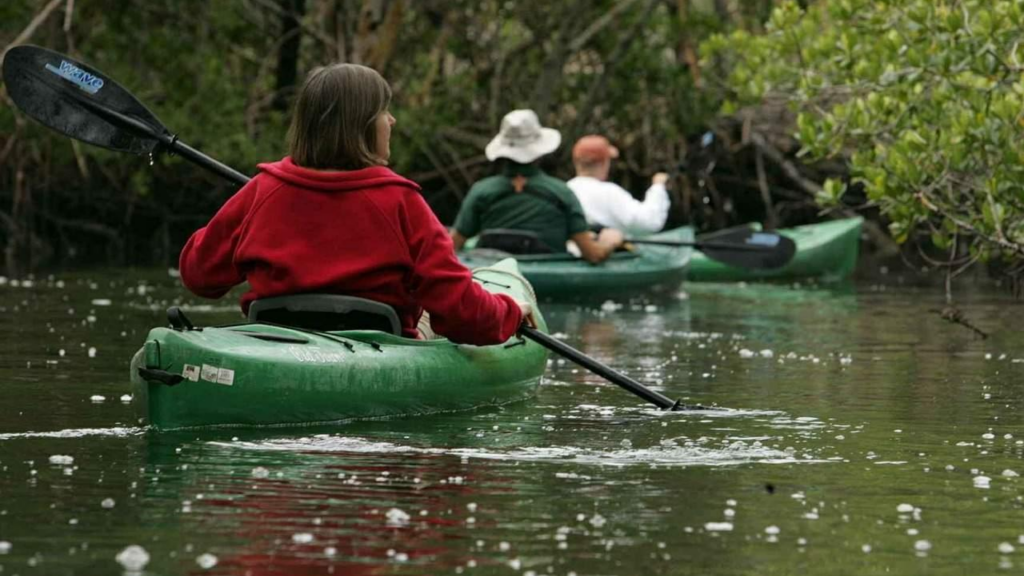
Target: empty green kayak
x,y
826,251
644,269
270,375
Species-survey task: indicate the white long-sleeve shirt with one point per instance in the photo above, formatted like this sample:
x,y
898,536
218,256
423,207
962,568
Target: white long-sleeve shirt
x,y
608,204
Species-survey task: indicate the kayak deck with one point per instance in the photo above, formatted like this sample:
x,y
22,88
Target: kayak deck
x,y
644,269
269,375
826,251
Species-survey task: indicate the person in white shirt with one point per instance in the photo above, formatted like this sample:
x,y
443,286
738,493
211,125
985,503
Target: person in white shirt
x,y
608,204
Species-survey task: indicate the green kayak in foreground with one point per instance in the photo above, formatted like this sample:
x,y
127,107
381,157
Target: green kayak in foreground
x,y
825,251
644,269
270,375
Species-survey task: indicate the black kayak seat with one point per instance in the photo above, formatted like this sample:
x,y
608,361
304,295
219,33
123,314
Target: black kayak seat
x,y
326,312
513,241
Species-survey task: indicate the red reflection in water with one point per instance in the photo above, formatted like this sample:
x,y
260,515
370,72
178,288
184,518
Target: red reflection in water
x,y
275,517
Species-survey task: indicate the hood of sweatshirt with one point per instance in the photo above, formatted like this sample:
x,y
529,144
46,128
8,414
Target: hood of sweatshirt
x,y
334,181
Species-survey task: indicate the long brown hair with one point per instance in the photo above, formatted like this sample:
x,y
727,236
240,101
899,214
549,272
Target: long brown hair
x,y
333,126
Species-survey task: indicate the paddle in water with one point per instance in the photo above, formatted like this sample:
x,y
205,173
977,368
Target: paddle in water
x,y
80,102
617,378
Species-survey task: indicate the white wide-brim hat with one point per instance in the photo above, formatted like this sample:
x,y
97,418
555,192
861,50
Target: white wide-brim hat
x,y
522,139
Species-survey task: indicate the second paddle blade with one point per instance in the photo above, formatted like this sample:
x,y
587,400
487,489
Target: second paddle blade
x,y
64,95
773,249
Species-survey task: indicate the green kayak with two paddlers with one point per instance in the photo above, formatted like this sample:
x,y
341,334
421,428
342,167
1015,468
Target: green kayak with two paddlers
x,y
826,251
643,269
261,374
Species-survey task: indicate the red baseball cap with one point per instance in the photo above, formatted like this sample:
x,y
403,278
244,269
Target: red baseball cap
x,y
594,148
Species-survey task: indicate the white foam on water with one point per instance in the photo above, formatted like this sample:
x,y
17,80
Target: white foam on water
x,y
134,558
157,307
207,561
76,433
734,454
397,517
707,411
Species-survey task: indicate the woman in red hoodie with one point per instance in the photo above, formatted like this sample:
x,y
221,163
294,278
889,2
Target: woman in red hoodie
x,y
333,218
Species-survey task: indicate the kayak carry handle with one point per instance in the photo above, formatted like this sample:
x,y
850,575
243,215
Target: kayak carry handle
x,y
179,321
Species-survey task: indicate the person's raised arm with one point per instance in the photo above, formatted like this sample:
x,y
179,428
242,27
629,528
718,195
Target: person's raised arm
x,y
648,216
596,250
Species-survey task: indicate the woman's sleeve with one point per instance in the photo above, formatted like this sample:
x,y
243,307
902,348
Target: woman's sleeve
x,y
459,308
207,262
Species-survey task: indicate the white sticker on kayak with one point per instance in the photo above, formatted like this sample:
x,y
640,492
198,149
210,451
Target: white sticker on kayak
x,y
210,373
190,372
226,377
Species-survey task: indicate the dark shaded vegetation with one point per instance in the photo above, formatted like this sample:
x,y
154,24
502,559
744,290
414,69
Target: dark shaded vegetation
x,y
222,74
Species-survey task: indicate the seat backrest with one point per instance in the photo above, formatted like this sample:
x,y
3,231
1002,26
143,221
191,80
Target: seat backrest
x,y
513,241
326,312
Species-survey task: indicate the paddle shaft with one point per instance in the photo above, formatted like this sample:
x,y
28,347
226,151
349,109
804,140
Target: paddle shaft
x,y
169,141
617,378
704,245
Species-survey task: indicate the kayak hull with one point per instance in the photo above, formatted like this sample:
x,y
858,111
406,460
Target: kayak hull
x,y
268,375
645,269
826,251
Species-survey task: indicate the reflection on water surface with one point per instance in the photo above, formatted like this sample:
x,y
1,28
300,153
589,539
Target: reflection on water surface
x,y
853,431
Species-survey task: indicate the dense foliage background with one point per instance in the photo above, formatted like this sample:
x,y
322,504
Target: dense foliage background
x,y
924,98
220,74
907,111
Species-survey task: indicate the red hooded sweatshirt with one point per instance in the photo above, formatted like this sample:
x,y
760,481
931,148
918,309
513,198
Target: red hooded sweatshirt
x,y
365,233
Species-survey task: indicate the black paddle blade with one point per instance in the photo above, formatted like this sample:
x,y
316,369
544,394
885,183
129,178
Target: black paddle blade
x,y
745,247
79,101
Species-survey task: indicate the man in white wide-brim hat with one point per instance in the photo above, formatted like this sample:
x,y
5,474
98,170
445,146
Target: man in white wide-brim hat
x,y
523,200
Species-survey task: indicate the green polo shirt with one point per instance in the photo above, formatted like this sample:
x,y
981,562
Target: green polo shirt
x,y
546,206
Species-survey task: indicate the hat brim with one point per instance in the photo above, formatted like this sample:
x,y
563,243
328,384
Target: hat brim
x,y
548,142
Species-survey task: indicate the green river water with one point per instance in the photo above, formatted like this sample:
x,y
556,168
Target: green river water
x,y
866,436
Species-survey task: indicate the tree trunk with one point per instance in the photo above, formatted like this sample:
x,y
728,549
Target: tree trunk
x,y
17,253
288,53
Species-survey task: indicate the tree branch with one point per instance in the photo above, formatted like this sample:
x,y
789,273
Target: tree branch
x,y
31,28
